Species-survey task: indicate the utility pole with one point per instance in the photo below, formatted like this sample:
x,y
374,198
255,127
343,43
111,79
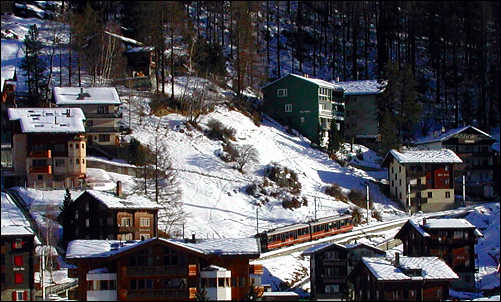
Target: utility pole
x,y
464,191
367,204
409,197
315,214
257,220
42,274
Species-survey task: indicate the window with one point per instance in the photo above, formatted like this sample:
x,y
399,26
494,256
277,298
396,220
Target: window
x,y
102,109
39,162
149,283
144,236
133,284
18,260
392,183
20,295
90,123
170,257
40,177
76,215
288,107
87,222
125,221
457,235
17,244
301,120
447,194
77,161
71,145
83,146
430,194
18,278
140,283
59,162
282,92
331,288
83,161
104,137
144,222
220,282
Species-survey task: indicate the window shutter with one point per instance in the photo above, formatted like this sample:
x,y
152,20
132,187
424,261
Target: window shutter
x,y
19,278
18,260
14,296
25,295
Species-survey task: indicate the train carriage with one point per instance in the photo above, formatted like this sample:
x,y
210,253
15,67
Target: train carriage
x,y
302,232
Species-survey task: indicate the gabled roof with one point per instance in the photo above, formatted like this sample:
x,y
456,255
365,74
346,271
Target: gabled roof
x,y
113,202
124,39
13,220
433,268
448,223
323,246
91,95
83,249
412,224
448,134
442,156
49,120
317,82
365,87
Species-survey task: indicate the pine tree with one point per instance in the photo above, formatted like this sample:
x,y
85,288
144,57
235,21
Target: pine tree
x,y
389,138
335,138
63,217
34,66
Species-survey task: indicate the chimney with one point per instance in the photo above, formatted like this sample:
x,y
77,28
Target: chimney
x,y
397,259
193,238
306,75
443,129
68,112
337,79
119,189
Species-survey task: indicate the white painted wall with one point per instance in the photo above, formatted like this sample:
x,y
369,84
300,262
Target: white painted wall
x,y
102,295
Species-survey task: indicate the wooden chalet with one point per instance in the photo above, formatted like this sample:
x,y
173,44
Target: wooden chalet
x,y
452,240
159,269
100,215
331,263
402,279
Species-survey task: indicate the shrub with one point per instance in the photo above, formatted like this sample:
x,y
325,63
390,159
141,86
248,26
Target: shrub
x,y
284,177
292,203
356,215
377,215
358,198
360,155
335,191
218,131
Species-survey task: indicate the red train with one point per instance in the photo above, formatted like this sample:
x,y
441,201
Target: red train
x,y
302,232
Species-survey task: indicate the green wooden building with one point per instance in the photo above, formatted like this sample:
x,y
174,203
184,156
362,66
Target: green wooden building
x,y
305,104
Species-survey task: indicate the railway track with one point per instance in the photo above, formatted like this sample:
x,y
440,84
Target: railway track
x,y
362,232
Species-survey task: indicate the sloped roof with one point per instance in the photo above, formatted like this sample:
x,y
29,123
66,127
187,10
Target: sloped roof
x,y
365,87
123,38
13,220
320,247
423,156
448,223
49,120
433,268
103,248
113,202
96,95
318,82
448,134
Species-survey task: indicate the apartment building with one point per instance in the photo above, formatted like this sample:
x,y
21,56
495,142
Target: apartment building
x,y
422,180
101,108
49,147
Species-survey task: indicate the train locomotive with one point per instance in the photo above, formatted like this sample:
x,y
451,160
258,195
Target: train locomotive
x,y
302,232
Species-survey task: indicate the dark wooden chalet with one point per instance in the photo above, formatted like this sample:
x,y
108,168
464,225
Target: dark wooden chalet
x,y
402,279
163,269
452,240
100,215
331,263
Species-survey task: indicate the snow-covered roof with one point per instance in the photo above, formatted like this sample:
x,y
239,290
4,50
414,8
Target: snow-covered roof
x,y
448,134
104,248
424,156
318,82
317,248
140,49
433,268
91,95
49,120
113,202
365,87
279,294
125,39
8,73
214,268
47,250
418,228
448,223
13,220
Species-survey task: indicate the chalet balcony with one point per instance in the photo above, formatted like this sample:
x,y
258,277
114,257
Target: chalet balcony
x,y
90,129
164,270
256,269
126,229
333,261
41,154
179,294
103,115
41,169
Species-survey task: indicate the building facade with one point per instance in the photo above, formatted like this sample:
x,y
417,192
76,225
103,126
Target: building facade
x,y
162,269
49,147
305,104
402,279
473,146
100,215
422,180
452,240
101,108
330,265
361,105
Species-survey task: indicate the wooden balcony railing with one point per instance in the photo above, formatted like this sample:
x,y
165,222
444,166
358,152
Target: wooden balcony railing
x,y
42,169
41,154
256,269
156,293
165,270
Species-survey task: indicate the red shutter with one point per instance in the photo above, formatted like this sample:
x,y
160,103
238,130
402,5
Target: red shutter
x,y
19,278
18,260
25,295
13,245
14,296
